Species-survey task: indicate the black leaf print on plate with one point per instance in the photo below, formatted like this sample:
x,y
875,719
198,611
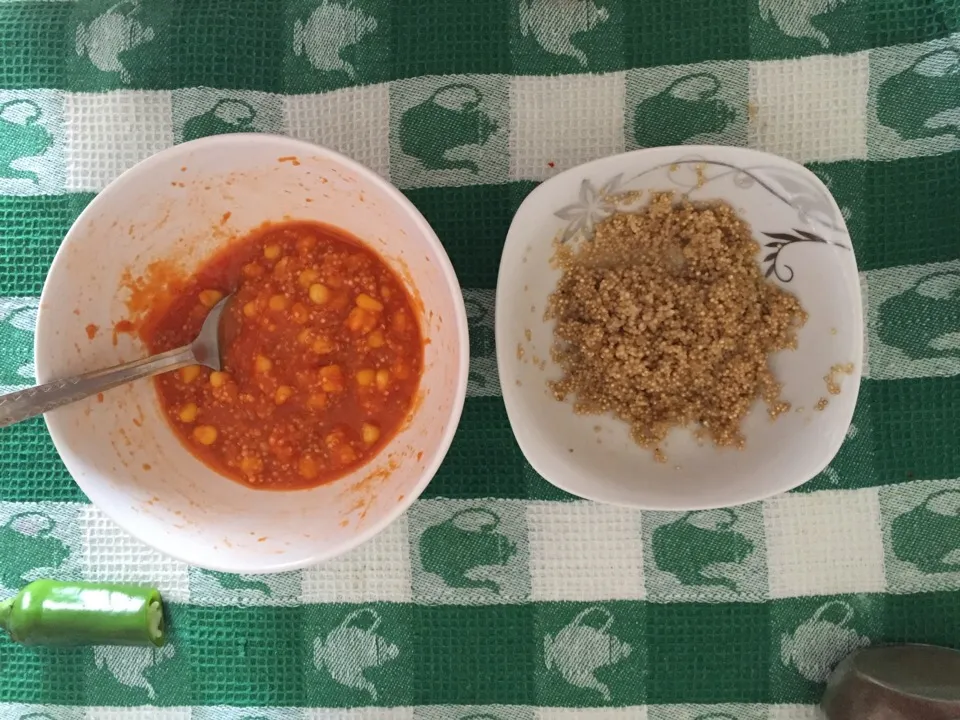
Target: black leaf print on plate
x,y
784,272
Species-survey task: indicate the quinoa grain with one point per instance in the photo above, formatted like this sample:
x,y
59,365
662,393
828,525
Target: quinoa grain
x,y
664,319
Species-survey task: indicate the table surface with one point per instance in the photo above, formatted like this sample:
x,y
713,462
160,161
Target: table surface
x,y
546,607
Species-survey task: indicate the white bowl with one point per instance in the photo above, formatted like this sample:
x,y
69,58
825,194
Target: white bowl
x,y
594,457
121,452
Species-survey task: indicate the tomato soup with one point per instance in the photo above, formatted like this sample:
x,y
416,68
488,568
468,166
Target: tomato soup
x,y
322,358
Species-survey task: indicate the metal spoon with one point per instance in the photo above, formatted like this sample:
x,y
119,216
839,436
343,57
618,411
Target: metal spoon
x,y
205,350
895,682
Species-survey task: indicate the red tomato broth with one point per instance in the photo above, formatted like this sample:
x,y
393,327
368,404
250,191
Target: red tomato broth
x,y
321,366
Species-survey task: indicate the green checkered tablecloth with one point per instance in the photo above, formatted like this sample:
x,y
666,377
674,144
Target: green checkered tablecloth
x,y
497,596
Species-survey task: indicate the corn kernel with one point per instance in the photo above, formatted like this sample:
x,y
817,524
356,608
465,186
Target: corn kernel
x,y
322,346
277,302
368,303
250,309
375,339
305,336
308,277
370,433
360,321
253,270
331,378
383,379
262,364
205,434
209,298
305,244
365,378
317,401
188,413
218,379
335,439
347,455
355,319
251,464
299,313
190,373
283,393
329,371
271,252
319,293
308,468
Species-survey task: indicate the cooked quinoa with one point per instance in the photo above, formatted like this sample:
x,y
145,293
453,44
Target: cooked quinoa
x,y
664,319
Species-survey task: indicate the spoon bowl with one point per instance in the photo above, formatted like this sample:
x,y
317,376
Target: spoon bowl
x,y
213,337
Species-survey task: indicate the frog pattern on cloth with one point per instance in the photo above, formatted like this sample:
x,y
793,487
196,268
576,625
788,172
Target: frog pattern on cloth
x,y
483,379
923,100
228,115
928,536
686,109
234,582
22,136
246,713
555,23
18,322
579,649
496,711
469,552
29,711
331,28
111,36
204,112
815,647
921,550
924,320
210,588
713,711
451,118
794,18
29,546
130,666
352,648
695,547
460,548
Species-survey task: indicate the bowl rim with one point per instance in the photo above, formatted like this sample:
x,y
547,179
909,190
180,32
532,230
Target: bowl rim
x,y
510,396
97,493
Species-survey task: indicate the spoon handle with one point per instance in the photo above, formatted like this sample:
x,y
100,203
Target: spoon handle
x,y
23,404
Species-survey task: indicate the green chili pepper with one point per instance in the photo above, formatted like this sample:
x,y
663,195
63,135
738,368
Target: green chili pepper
x,y
49,612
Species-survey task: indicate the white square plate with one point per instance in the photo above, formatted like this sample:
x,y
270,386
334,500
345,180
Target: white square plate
x,y
805,247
